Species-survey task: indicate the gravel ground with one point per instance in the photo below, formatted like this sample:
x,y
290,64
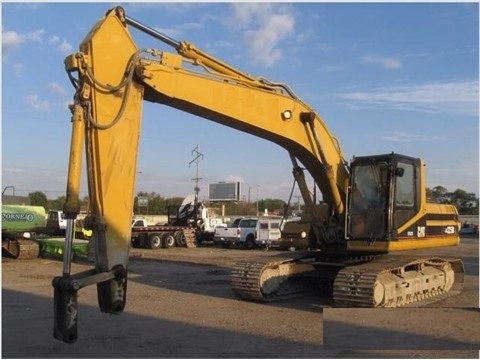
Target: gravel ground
x,y
179,305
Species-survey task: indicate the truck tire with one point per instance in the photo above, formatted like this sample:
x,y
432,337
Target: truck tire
x,y
180,239
169,240
155,241
200,237
135,243
249,242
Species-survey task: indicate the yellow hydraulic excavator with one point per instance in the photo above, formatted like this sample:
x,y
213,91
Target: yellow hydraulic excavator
x,y
373,205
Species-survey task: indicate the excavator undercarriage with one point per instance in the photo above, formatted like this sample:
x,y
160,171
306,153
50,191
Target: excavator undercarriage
x,y
364,281
18,247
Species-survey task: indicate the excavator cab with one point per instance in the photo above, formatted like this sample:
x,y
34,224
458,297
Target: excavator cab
x,y
384,194
387,208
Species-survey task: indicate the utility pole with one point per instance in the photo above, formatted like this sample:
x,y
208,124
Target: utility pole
x,y
256,203
197,156
298,201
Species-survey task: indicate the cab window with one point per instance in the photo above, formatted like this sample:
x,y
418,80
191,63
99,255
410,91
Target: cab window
x,y
405,189
406,185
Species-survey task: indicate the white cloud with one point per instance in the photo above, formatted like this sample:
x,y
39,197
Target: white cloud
x,y
65,47
57,89
305,36
36,104
267,25
173,7
245,13
456,97
407,137
18,69
174,34
12,40
35,36
62,46
264,40
382,61
53,39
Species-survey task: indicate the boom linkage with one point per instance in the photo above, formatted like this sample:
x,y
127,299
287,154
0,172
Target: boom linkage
x,y
335,190
198,57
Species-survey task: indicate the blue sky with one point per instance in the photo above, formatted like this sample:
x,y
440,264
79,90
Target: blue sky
x,y
384,77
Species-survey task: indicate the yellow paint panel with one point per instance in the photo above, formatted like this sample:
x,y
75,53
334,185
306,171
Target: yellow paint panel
x,y
442,223
112,145
402,245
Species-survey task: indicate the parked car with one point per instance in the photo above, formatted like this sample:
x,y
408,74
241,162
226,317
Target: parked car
x,y
468,228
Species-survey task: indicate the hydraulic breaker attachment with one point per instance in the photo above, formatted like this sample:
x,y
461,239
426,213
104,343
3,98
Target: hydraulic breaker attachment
x,y
65,298
111,290
65,310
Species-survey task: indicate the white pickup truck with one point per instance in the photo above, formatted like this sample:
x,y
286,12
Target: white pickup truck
x,y
248,232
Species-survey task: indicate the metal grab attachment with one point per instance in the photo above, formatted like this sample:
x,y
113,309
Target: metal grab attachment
x,y
65,299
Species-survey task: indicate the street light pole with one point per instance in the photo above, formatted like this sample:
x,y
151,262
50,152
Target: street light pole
x,y
256,202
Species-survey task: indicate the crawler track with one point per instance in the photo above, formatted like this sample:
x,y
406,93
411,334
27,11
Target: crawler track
x,y
389,281
272,278
29,249
21,249
397,281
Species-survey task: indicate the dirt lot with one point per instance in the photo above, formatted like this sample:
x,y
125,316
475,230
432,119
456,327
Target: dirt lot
x,y
179,305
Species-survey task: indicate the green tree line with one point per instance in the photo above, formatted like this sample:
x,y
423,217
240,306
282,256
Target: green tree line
x,y
158,205
465,202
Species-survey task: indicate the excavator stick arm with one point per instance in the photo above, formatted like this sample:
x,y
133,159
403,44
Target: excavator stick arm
x,y
109,104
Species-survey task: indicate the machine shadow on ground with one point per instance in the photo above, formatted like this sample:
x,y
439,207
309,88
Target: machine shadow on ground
x,y
212,280
440,332
27,333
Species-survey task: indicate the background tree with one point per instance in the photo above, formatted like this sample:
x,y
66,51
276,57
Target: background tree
x,y
240,208
56,204
243,208
157,204
438,194
173,202
466,203
38,198
271,205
